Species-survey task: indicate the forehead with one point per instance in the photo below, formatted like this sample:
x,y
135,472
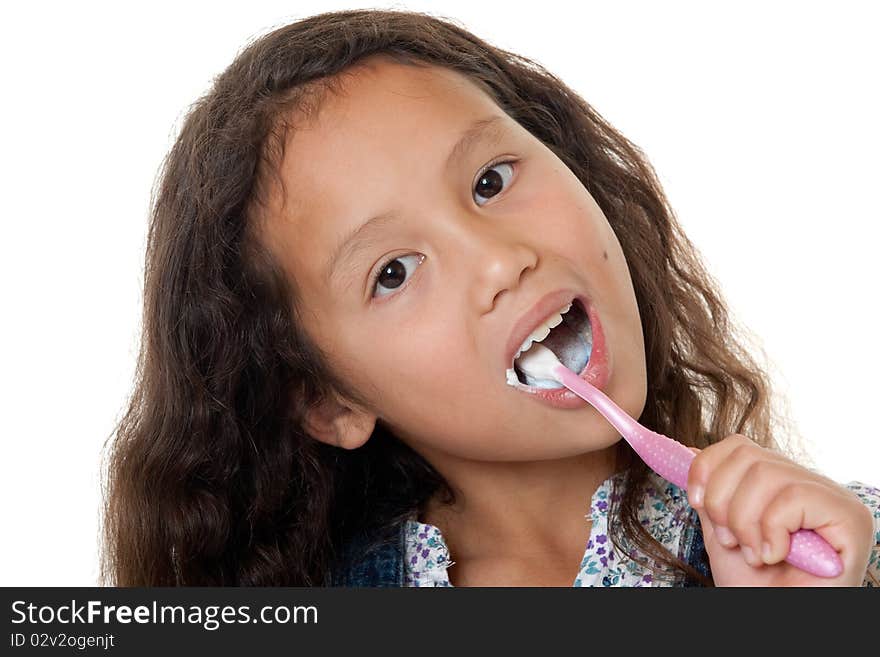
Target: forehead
x,y
380,110
381,117
365,93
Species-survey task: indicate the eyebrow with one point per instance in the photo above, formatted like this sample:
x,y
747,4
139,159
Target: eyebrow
x,y
359,238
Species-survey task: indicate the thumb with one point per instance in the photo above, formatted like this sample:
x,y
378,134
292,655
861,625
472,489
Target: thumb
x,y
707,526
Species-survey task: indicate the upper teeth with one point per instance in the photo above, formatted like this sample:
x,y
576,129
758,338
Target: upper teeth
x,y
543,330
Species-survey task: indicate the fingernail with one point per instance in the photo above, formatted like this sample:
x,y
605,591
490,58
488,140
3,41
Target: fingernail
x,y
696,496
725,536
749,554
765,551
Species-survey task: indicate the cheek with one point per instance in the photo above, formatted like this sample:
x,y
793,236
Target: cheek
x,y
583,236
410,364
431,384
571,223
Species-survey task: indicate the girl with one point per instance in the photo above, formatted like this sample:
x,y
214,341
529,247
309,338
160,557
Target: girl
x,y
355,231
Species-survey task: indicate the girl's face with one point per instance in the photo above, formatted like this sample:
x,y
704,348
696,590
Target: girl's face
x,y
459,262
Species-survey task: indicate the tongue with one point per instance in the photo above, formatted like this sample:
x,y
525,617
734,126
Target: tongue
x,y
570,348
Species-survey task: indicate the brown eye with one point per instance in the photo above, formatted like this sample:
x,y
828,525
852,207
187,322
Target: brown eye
x,y
392,274
491,182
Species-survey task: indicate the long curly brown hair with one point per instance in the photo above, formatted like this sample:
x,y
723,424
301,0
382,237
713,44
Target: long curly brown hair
x,y
210,477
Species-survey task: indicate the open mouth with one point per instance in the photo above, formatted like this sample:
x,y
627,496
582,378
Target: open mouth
x,y
568,333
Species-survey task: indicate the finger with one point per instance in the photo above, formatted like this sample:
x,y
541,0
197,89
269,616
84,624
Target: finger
x,y
758,487
705,462
811,505
714,548
710,539
725,480
709,459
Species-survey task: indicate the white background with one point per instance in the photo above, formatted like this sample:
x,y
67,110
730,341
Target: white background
x,y
761,120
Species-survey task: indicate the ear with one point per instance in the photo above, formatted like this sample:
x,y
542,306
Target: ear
x,y
339,423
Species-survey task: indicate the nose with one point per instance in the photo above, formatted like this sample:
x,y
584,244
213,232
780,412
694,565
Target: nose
x,y
500,262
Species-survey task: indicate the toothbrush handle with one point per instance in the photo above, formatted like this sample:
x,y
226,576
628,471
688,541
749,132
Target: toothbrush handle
x,y
672,460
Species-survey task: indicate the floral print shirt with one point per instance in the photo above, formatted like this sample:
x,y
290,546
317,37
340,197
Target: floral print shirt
x,y
664,512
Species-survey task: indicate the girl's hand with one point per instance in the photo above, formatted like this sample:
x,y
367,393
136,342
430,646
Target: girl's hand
x,y
752,496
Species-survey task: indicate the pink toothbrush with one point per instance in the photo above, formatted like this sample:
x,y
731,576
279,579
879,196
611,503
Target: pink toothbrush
x,y
669,458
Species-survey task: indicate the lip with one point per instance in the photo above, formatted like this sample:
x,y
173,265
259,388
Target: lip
x,y
598,368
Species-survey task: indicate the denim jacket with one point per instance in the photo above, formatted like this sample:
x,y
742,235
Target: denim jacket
x,y
382,565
